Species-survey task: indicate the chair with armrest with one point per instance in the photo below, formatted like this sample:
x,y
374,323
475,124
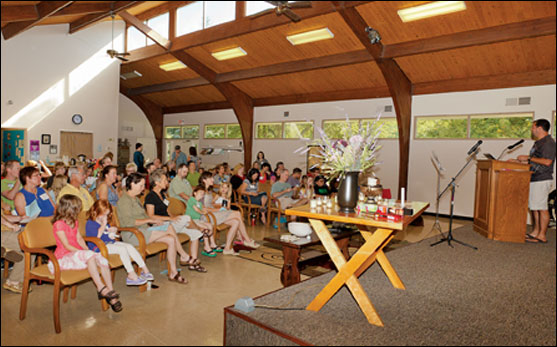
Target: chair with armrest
x,y
37,236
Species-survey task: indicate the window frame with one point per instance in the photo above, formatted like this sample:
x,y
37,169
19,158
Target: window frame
x,y
214,124
182,132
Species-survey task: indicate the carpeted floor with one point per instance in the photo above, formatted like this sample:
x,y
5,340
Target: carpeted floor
x,y
502,294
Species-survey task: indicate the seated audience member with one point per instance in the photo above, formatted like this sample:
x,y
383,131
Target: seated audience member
x,y
3,170
265,174
105,187
261,159
237,178
179,157
11,184
250,190
283,191
156,206
158,163
44,171
320,187
224,215
59,169
58,183
132,215
193,175
255,165
306,187
73,254
98,226
193,157
90,180
130,168
180,188
314,172
195,210
220,177
150,168
104,162
77,177
227,169
170,169
32,200
13,253
294,179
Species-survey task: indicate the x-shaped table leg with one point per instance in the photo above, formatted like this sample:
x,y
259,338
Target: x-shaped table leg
x,y
348,272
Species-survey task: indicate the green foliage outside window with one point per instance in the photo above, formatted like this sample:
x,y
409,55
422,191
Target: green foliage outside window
x,y
233,131
297,130
215,131
442,127
173,133
389,127
269,131
337,129
191,131
500,127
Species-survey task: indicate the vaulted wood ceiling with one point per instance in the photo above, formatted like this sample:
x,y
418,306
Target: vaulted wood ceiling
x,y
492,44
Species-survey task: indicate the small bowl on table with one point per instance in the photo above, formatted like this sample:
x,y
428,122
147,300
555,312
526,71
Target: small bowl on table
x,y
300,229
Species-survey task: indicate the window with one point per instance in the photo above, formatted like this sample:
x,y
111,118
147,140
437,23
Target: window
x,y
135,39
268,131
191,131
298,130
160,24
173,132
233,131
337,129
501,126
203,14
181,132
215,131
449,127
389,127
253,7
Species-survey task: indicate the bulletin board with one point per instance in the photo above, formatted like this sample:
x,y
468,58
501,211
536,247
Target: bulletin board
x,y
14,144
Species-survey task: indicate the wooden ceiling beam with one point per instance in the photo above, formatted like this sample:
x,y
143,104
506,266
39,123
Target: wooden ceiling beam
x,y
88,20
399,86
239,27
160,40
165,87
19,13
221,105
501,33
241,103
44,9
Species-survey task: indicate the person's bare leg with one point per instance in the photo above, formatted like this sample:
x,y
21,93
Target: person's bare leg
x,y
544,223
231,234
194,248
184,256
95,276
536,223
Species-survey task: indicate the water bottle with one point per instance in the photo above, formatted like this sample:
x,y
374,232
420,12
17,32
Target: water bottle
x,y
253,216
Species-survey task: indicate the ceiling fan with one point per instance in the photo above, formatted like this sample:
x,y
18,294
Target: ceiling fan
x,y
112,52
285,7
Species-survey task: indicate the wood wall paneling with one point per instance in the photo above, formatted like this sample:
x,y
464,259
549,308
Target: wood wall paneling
x,y
197,95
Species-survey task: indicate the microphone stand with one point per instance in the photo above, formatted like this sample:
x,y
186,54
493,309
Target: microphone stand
x,y
500,155
452,186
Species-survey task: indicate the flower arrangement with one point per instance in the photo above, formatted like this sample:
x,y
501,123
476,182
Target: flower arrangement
x,y
357,151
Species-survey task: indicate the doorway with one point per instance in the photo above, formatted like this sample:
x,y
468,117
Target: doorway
x,y
73,144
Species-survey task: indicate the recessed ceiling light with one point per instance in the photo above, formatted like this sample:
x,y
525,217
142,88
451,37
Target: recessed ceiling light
x,y
229,53
431,9
130,75
175,65
310,36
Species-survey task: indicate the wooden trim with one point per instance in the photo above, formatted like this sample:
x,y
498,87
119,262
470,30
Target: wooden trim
x,y
197,107
165,87
240,9
146,30
44,9
169,6
228,310
507,32
86,21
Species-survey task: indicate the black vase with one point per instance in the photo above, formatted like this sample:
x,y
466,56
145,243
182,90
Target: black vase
x,y
347,197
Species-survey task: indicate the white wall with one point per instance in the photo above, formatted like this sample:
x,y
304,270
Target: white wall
x,y
48,75
422,177
134,126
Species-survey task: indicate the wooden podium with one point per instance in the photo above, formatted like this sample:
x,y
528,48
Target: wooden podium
x,y
501,203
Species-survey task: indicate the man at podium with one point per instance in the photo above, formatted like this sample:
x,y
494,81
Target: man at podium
x,y
541,159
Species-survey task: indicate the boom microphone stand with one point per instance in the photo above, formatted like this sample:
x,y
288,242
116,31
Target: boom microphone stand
x,y
452,186
439,169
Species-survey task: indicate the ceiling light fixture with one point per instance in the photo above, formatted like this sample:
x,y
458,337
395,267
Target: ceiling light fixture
x,y
175,65
229,53
431,9
310,36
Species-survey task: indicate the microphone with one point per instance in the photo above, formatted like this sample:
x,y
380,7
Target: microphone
x,y
473,149
515,145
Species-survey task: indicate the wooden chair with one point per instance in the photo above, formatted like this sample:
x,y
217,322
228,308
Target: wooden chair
x,y
239,197
35,239
275,207
176,207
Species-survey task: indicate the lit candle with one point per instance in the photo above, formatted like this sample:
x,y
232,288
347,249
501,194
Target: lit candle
x,y
313,203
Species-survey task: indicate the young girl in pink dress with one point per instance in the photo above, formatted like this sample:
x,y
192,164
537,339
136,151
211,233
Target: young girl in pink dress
x,y
73,254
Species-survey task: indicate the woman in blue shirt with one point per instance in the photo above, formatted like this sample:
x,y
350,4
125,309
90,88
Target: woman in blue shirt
x,y
32,200
250,189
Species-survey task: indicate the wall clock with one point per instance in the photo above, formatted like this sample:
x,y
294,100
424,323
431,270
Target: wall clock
x,y
77,119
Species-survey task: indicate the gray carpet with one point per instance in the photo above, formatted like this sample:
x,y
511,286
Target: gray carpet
x,y
502,294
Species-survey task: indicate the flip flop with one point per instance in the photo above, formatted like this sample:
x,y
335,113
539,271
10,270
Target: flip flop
x,y
533,239
528,236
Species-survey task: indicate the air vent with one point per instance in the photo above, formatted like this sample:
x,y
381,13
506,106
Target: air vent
x,y
130,75
511,101
389,108
127,128
286,113
524,101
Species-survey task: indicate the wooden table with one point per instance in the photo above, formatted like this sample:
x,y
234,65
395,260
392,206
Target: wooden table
x,y
369,252
291,252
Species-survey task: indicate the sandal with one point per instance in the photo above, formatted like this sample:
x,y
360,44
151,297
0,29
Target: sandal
x,y
110,296
210,253
197,267
178,279
190,262
217,249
